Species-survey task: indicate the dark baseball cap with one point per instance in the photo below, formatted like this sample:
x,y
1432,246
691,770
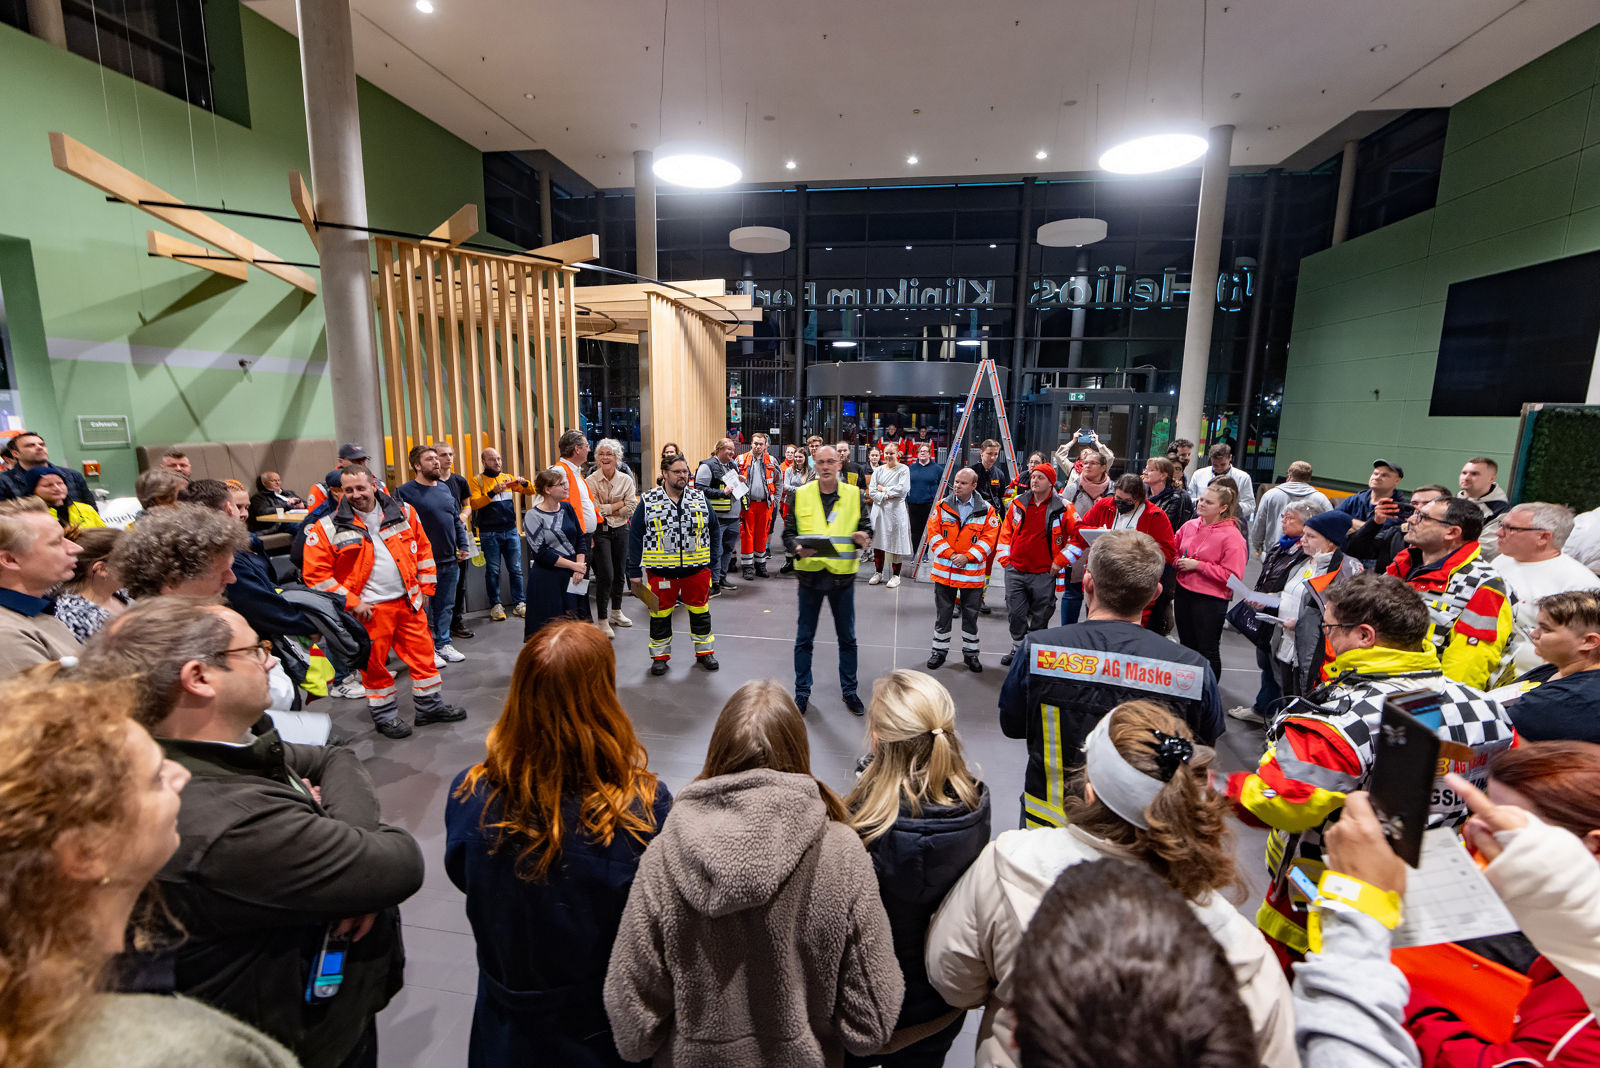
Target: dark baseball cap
x,y
1396,468
352,451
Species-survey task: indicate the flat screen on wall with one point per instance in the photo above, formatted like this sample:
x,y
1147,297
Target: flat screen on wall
x,y
1519,337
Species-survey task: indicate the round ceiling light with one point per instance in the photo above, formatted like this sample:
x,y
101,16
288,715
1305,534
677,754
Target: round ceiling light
x,y
758,239
697,168
1157,152
1067,233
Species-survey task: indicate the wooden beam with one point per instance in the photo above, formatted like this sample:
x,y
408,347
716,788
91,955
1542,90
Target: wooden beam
x,y
704,287
458,228
85,164
304,207
175,249
576,250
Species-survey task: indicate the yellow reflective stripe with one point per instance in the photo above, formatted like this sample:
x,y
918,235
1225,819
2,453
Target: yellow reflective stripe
x,y
1293,816
1278,927
1054,774
1039,813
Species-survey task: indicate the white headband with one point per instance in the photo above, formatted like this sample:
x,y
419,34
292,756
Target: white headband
x,y
1125,789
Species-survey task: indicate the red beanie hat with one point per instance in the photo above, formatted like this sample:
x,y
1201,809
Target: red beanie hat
x,y
1047,470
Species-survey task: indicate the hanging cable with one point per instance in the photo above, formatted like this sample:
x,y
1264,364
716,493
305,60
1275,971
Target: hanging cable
x,y
138,115
211,97
188,110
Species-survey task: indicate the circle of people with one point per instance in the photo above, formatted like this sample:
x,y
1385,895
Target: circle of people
x,y
759,917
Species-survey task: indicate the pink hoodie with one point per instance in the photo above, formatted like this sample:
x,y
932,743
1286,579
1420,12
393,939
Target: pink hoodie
x,y
1221,550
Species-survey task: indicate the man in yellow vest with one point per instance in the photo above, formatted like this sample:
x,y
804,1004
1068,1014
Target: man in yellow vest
x,y
824,529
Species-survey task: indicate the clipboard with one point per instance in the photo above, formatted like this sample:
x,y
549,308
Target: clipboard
x,y
641,589
822,546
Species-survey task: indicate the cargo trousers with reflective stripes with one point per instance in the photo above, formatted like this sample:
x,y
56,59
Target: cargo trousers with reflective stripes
x,y
694,591
1050,810
945,599
755,534
395,624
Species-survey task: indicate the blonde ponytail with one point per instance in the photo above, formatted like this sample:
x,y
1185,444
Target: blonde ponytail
x,y
917,757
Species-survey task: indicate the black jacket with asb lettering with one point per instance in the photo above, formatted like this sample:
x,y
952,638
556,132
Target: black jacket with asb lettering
x,y
1063,680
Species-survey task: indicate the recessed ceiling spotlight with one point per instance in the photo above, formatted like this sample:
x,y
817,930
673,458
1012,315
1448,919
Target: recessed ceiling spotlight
x,y
1378,47
425,6
769,118
908,248
527,96
912,160
790,165
994,246
1041,154
827,248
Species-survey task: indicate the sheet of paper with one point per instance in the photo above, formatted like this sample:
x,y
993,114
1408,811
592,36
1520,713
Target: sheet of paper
x,y
580,587
734,484
1091,533
302,728
1243,592
1448,898
1263,617
1508,692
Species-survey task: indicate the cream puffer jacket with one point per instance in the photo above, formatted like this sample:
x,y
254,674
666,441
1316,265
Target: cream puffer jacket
x,y
985,916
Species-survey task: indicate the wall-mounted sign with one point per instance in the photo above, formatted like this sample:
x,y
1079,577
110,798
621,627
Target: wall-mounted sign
x,y
1107,288
103,430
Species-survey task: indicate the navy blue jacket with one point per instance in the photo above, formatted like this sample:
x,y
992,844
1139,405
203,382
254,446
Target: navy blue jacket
x,y
917,861
924,486
1359,505
543,946
254,595
1565,710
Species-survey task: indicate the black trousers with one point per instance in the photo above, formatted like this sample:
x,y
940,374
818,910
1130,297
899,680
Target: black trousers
x,y
461,594
919,522
608,559
1200,619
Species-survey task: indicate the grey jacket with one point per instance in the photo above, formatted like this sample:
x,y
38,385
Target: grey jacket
x,y
754,935
1349,1001
149,1031
1265,526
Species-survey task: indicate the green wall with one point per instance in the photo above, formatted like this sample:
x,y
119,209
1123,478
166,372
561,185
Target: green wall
x,y
115,332
1520,185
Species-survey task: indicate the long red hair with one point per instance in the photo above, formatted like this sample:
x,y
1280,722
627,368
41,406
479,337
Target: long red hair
x,y
1562,779
564,734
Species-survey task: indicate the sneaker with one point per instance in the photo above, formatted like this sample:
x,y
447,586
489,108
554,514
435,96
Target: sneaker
x,y
787,568
438,660
727,584
458,631
716,590
497,613
1005,661
605,628
450,655
393,728
894,582
658,667
446,714
708,661
974,665
853,703
936,660
877,577
1246,714
520,610
348,689
620,620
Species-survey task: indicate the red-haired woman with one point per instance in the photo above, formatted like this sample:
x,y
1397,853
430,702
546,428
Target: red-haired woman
x,y
543,836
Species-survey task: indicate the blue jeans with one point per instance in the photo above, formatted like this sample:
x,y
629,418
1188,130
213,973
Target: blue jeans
x,y
843,602
1071,602
442,605
497,543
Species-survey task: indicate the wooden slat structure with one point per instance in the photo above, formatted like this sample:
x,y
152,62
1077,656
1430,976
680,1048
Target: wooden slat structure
x,y
476,351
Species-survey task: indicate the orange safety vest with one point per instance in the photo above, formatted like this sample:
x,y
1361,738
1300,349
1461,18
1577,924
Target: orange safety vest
x,y
769,469
338,552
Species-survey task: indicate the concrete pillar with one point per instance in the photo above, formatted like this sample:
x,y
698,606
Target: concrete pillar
x,y
547,214
644,213
46,23
1347,192
333,131
1203,285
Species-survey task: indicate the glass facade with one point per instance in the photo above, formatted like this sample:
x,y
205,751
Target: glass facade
x,y
951,273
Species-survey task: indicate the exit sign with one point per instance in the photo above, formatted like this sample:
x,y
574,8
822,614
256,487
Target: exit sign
x,y
1077,396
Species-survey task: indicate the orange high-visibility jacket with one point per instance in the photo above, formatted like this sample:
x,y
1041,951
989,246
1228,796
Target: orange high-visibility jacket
x,y
976,539
769,470
338,553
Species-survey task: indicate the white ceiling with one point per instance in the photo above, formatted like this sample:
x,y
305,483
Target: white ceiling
x,y
971,88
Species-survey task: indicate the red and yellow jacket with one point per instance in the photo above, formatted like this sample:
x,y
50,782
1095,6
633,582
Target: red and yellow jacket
x,y
975,539
339,555
1472,626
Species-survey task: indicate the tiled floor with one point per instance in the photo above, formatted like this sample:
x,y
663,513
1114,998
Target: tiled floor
x,y
427,1025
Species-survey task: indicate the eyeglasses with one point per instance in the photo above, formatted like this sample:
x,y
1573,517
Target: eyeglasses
x,y
1432,519
1504,529
1342,626
261,649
